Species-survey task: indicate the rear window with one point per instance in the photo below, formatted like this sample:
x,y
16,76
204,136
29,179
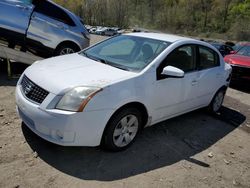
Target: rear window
x,y
48,9
208,58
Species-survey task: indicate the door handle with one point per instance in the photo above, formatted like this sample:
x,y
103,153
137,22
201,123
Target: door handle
x,y
22,7
194,82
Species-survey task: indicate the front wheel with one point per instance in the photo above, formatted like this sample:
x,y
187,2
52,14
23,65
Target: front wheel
x,y
217,101
122,129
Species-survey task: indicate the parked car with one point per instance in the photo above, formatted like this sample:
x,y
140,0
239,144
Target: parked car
x,y
240,62
88,27
110,32
230,43
107,93
239,45
100,30
93,30
224,49
42,26
120,31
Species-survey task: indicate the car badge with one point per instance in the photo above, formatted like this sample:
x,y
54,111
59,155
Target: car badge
x,y
27,89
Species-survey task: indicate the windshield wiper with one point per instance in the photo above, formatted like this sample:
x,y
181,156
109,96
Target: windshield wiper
x,y
90,56
105,61
118,66
94,58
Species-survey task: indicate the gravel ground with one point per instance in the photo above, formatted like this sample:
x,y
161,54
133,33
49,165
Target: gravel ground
x,y
193,150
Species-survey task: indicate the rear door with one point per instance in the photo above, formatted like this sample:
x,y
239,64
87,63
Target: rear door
x,y
209,75
48,24
15,15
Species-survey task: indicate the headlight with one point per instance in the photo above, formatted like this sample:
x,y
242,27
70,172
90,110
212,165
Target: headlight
x,y
76,99
229,61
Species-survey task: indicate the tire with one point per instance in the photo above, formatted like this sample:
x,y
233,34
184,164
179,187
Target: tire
x,y
11,44
66,49
119,135
216,103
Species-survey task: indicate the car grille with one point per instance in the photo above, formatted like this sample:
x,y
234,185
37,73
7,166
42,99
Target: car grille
x,y
241,72
33,91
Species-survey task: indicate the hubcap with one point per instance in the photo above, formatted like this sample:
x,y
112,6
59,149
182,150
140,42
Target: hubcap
x,y
218,101
67,51
125,130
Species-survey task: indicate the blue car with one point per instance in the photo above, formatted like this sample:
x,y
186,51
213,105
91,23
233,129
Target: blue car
x,y
42,27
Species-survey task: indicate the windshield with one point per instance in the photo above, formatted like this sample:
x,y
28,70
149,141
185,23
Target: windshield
x,y
244,51
126,52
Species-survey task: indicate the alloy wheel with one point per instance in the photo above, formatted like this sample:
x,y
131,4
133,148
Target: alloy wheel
x,y
125,130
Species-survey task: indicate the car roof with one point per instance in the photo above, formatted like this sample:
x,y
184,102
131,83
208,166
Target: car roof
x,y
216,43
160,36
243,43
219,44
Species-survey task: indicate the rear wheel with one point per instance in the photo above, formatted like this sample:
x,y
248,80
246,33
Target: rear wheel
x,y
122,129
65,49
217,101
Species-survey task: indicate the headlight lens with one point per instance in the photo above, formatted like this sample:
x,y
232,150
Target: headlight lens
x,y
76,99
229,61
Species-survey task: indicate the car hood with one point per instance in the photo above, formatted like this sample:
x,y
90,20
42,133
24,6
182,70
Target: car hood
x,y
63,72
238,60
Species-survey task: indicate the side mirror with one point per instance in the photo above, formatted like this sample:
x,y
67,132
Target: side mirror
x,y
173,72
233,52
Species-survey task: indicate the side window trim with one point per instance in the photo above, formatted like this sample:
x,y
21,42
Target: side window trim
x,y
198,63
67,21
194,50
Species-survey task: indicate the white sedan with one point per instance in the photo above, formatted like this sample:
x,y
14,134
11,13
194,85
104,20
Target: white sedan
x,y
107,93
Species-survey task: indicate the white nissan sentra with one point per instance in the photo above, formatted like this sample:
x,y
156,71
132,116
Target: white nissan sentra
x,y
107,93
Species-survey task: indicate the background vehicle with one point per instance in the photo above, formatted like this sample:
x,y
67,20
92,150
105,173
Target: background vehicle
x,y
92,30
88,27
100,30
223,48
239,45
128,82
240,62
43,27
110,32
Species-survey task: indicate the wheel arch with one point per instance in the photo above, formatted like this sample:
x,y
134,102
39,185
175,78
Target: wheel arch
x,y
223,88
138,105
67,42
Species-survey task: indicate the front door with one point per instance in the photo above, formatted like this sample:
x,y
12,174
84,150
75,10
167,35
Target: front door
x,y
15,16
176,95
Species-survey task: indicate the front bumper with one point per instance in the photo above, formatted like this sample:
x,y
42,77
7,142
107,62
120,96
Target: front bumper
x,y
62,127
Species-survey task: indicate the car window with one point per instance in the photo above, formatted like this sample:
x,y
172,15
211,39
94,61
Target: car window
x,y
28,2
48,9
229,48
183,58
207,58
244,51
